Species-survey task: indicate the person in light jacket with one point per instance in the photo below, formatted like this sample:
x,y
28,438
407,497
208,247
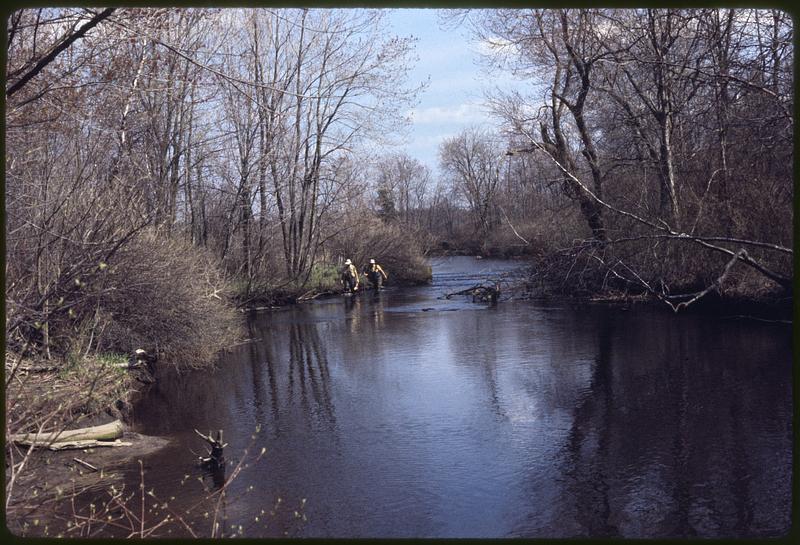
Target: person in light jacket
x,y
349,277
375,274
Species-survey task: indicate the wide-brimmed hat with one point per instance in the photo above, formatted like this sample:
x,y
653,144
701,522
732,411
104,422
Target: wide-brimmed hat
x,y
347,262
372,261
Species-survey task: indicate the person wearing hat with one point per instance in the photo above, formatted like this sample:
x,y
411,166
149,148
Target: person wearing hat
x,y
375,274
349,276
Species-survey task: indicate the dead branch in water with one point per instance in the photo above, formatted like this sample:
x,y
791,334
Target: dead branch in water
x,y
215,458
479,292
310,295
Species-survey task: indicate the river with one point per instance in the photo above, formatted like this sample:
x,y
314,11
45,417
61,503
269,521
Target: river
x,y
403,414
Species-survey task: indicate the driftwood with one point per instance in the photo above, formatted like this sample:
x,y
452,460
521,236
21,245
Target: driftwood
x,y
215,458
78,438
83,444
479,292
34,368
310,295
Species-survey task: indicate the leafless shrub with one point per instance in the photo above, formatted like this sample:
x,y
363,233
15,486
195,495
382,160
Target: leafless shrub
x,y
389,244
169,297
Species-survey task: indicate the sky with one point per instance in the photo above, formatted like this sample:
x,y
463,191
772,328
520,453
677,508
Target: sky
x,y
453,99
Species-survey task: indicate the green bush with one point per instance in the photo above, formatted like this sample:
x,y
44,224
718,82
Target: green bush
x,y
324,277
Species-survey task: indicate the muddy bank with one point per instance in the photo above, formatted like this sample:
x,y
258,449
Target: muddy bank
x,y
44,493
53,395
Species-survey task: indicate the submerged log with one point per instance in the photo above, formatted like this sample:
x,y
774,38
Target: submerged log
x,y
95,434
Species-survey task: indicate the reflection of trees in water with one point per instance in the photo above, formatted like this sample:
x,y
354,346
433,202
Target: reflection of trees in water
x,y
623,430
308,371
262,361
662,440
487,360
586,460
290,364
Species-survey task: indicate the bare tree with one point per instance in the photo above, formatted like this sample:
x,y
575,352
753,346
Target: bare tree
x,y
402,183
563,44
643,114
472,161
333,80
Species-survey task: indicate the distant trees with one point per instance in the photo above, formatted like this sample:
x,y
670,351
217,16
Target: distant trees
x,y
472,162
402,186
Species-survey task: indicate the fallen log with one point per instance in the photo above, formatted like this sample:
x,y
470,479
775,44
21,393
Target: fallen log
x,y
34,368
83,444
88,443
479,292
103,433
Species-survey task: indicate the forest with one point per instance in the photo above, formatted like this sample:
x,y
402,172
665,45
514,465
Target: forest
x,y
167,166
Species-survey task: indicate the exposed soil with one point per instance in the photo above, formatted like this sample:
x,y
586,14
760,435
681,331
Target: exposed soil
x,y
49,476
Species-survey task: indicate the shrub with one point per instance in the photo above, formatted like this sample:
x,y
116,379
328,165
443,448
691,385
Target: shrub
x,y
390,244
168,296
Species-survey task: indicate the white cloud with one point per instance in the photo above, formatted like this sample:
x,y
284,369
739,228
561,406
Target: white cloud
x,y
461,113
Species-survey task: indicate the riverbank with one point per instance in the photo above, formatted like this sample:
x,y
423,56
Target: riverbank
x,y
62,394
51,481
325,282
774,309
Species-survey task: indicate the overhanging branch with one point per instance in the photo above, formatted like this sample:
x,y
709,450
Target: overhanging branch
x,y
68,41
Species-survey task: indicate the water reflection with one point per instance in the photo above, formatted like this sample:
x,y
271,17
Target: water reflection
x,y
586,448
308,362
290,370
667,448
514,420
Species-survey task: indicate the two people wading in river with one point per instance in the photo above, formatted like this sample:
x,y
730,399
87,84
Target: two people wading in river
x,y
374,273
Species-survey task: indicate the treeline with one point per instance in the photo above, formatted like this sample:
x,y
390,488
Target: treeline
x,y
165,165
651,152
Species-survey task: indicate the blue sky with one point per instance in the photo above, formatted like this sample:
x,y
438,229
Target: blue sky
x,y
454,98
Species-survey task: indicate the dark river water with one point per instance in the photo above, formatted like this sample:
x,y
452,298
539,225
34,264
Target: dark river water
x,y
401,414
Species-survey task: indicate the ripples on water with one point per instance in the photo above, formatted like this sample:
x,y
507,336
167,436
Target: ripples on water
x,y
471,420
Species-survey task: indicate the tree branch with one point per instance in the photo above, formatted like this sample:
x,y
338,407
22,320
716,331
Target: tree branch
x,y
47,59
